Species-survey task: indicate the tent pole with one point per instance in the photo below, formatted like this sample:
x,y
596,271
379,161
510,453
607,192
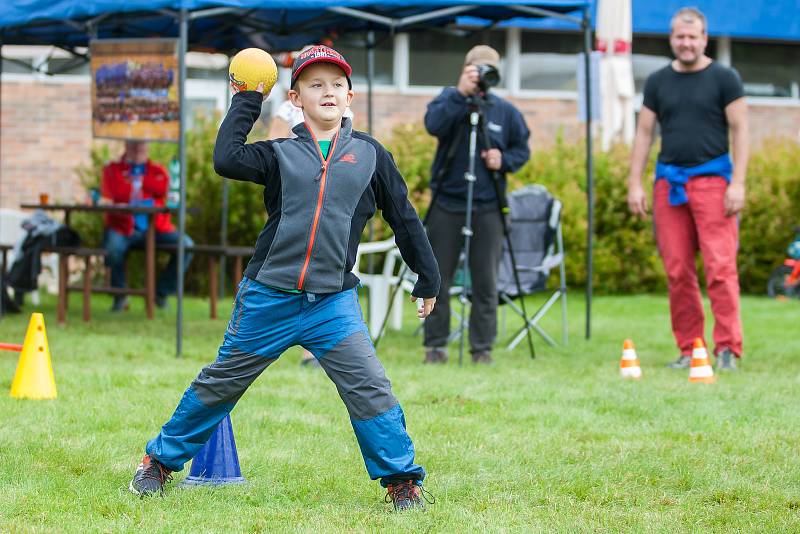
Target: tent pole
x,y
587,50
370,76
182,48
223,238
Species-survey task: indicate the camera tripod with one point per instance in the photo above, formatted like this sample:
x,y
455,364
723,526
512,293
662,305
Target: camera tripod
x,y
477,125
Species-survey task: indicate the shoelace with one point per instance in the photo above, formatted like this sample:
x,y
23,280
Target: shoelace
x,y
408,491
156,471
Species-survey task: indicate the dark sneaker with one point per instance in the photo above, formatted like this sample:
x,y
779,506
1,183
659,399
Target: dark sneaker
x,y
120,304
149,478
726,360
435,355
684,361
482,356
161,302
407,495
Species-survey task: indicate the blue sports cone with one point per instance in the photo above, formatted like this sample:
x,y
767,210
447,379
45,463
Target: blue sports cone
x,y
217,463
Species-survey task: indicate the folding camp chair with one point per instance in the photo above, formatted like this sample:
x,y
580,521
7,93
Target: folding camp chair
x,y
535,232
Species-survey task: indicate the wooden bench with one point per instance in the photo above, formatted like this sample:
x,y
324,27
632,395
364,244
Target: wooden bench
x,y
86,287
214,253
4,252
63,257
4,273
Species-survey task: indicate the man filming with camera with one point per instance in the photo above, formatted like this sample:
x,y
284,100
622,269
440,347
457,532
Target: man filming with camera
x,y
447,119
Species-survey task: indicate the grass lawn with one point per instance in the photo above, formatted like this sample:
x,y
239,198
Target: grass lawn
x,y
560,443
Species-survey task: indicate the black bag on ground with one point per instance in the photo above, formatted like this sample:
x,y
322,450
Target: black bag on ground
x,y
24,272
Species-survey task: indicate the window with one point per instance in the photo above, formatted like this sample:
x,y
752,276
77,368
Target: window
x,y
68,65
549,60
767,69
201,73
436,58
354,49
648,55
17,65
199,106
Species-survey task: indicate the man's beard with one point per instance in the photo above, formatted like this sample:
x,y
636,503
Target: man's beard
x,y
689,63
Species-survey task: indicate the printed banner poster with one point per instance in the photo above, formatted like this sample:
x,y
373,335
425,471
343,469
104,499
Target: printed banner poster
x,y
135,89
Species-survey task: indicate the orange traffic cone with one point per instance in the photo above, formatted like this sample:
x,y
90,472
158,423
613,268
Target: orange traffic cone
x,y
629,364
701,370
34,378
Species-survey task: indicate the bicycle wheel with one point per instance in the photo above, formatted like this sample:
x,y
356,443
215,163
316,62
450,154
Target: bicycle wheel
x,y
777,287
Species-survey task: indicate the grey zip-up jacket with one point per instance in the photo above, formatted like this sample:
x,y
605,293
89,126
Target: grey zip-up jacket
x,y
318,208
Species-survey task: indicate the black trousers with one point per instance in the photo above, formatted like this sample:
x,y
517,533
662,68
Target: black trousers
x,y
486,245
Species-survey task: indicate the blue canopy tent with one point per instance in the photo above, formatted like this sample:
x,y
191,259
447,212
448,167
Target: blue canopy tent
x,y
275,25
777,20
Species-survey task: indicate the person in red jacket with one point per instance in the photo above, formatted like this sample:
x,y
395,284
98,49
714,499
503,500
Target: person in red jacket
x,y
134,179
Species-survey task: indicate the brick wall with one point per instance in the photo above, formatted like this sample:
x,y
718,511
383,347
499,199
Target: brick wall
x,y
46,131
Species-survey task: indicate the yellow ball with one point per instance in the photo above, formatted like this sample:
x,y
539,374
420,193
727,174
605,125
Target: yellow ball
x,y
252,66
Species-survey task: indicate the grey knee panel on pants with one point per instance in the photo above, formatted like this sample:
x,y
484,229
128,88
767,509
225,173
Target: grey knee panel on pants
x,y
225,381
359,377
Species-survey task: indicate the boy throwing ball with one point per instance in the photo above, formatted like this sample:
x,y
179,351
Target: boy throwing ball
x,y
320,189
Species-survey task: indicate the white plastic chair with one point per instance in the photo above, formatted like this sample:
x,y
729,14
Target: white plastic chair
x,y
380,284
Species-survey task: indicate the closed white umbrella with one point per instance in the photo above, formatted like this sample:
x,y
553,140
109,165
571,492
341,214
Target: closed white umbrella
x,y
614,34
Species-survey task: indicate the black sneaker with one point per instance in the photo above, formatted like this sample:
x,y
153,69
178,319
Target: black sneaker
x,y
161,301
684,361
120,304
435,355
482,356
407,495
149,478
726,360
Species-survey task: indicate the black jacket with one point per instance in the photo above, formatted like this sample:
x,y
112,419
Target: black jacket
x,y
447,118
318,208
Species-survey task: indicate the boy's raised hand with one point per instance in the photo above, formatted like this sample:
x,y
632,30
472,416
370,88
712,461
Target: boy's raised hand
x,y
426,308
260,89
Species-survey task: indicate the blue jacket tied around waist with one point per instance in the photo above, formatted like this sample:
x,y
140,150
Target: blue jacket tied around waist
x,y
678,176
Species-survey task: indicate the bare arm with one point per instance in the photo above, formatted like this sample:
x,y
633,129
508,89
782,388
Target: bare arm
x,y
736,113
637,200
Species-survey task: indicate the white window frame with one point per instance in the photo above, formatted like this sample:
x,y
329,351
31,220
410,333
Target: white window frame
x,y
512,75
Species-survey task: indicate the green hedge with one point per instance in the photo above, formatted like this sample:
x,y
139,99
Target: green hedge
x,y
625,258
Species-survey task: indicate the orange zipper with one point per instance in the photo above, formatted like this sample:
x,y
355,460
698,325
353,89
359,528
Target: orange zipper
x,y
317,212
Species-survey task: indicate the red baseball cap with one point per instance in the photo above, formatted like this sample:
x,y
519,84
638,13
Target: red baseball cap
x,y
320,54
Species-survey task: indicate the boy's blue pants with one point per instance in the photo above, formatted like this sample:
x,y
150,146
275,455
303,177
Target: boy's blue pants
x,y
264,323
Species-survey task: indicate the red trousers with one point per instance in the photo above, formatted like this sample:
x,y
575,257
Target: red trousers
x,y
681,231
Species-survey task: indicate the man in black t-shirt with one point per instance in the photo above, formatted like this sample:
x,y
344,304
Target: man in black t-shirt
x,y
698,190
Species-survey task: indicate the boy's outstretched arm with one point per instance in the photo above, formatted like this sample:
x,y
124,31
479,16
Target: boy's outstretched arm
x,y
235,159
409,234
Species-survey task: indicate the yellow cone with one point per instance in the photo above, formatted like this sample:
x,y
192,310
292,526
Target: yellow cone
x,y
34,378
